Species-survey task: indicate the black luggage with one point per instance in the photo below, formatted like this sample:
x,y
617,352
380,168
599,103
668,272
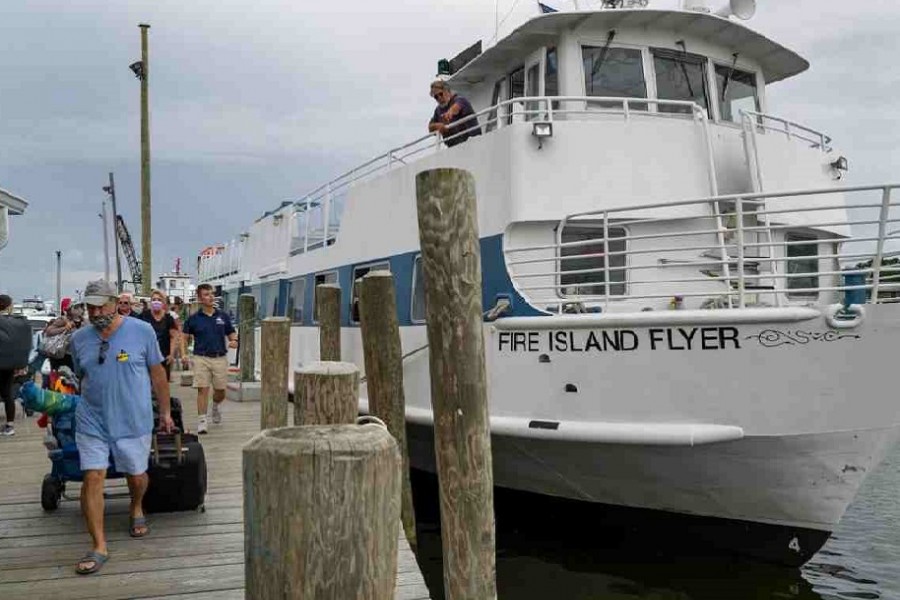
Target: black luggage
x,y
177,474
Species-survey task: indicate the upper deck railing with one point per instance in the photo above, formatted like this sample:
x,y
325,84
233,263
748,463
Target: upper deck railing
x,y
316,218
732,251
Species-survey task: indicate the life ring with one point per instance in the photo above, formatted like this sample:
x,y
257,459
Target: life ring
x,y
845,317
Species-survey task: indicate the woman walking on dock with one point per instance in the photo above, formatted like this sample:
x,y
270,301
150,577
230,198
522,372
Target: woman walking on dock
x,y
165,327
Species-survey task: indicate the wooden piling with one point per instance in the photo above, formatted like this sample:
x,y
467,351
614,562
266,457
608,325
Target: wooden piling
x,y
328,314
246,335
320,513
384,374
451,266
275,341
326,393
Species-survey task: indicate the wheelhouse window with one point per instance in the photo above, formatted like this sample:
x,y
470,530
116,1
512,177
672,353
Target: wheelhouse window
x,y
532,89
802,260
359,273
491,124
551,75
418,295
327,277
295,293
680,76
737,91
614,72
586,275
515,87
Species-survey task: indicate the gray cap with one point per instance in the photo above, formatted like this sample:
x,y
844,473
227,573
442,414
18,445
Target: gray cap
x,y
98,293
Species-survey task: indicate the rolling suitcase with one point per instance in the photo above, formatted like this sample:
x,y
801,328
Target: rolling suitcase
x,y
177,474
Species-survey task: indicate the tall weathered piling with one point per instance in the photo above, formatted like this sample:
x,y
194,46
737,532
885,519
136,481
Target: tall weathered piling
x,y
247,335
275,340
328,314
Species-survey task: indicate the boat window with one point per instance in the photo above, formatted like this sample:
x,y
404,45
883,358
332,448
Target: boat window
x,y
229,303
587,276
491,124
533,89
359,273
256,292
737,92
680,76
321,279
551,75
267,302
296,291
802,260
418,297
614,72
515,87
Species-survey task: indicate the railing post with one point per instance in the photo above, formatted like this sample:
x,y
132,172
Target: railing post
x,y
606,256
328,314
739,205
723,251
327,214
451,266
383,356
321,506
275,343
247,344
306,227
879,252
625,109
787,129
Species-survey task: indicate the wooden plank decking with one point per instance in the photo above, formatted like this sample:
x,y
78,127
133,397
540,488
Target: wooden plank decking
x,y
195,556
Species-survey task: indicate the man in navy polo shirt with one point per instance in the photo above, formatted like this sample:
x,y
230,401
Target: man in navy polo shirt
x,y
209,327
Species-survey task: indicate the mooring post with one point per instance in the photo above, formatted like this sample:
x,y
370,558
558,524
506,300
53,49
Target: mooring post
x,y
276,345
328,313
326,393
246,336
384,374
451,266
320,513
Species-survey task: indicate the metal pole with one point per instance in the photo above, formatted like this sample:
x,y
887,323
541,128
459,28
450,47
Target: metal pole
x,y
115,219
146,252
105,243
59,279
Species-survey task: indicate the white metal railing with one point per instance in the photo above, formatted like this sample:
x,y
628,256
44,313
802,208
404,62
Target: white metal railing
x,y
790,129
816,246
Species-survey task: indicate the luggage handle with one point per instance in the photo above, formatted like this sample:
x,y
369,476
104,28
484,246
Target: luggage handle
x,y
179,447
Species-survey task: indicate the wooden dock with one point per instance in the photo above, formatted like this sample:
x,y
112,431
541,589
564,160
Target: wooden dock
x,y
189,556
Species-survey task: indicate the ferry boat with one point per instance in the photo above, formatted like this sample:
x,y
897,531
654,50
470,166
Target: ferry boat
x,y
685,309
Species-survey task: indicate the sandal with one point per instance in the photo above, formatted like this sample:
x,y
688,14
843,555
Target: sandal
x,y
136,523
94,557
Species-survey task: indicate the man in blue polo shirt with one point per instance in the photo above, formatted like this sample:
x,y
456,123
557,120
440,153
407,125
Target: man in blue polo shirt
x,y
209,327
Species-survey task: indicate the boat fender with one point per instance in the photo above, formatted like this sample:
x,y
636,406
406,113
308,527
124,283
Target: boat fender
x,y
839,316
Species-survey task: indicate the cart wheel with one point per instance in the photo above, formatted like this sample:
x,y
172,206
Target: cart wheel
x,y
51,491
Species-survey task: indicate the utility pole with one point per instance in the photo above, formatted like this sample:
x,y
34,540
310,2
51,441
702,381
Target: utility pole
x,y
105,243
111,190
59,280
146,252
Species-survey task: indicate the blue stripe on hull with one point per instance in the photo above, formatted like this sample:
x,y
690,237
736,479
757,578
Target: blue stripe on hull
x,y
495,285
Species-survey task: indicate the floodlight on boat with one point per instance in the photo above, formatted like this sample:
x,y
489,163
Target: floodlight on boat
x,y
542,130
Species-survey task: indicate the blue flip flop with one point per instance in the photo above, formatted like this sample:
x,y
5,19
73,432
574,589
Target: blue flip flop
x,y
134,522
98,559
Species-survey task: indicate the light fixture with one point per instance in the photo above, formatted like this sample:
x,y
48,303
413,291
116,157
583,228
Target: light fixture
x,y
276,220
244,236
137,68
840,166
542,130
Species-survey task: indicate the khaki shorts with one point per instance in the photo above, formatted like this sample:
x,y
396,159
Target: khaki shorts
x,y
210,371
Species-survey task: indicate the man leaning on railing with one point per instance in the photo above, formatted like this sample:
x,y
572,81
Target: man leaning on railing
x,y
452,108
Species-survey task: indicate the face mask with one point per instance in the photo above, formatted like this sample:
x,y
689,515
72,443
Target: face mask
x,y
102,322
156,305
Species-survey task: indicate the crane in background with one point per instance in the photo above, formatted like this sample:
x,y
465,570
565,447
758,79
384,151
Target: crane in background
x,y
134,265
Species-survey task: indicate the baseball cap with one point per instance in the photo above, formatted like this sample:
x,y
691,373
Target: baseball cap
x,y
99,292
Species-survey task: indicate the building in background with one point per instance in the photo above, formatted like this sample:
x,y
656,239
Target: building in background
x,y
9,205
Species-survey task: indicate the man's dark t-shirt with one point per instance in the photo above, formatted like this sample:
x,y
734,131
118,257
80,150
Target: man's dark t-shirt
x,y
465,110
161,328
209,332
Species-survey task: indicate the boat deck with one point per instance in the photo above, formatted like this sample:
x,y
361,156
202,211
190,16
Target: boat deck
x,y
192,555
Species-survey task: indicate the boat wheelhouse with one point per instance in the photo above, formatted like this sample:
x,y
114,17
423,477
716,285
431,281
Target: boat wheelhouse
x,y
683,306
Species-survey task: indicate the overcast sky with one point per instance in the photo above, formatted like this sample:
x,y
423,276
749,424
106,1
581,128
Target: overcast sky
x,y
256,102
